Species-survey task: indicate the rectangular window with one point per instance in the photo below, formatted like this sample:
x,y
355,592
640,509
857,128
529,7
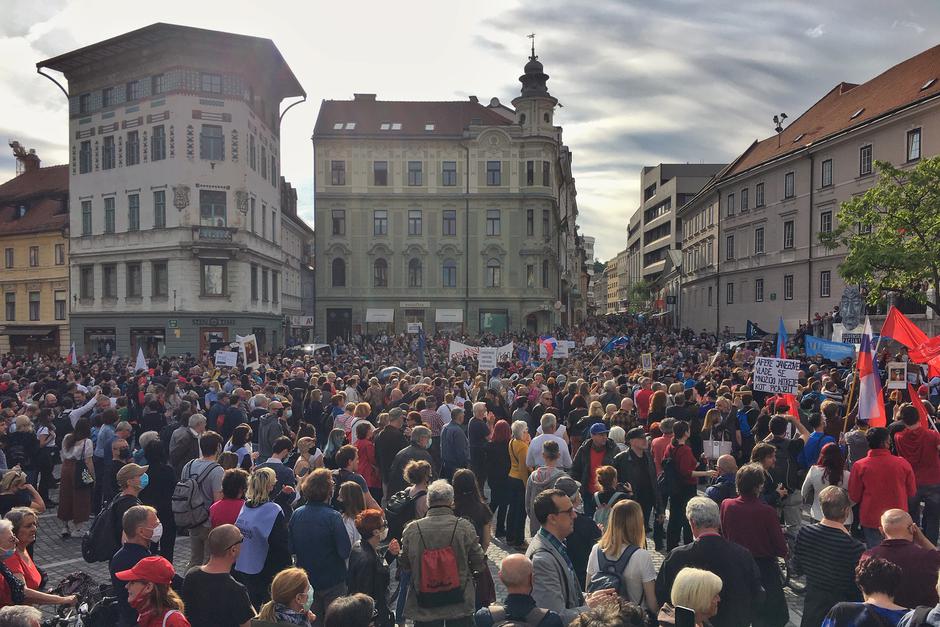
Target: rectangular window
x,y
212,208
758,290
107,97
729,293
913,145
449,224
709,295
252,204
107,153
275,291
160,279
211,143
109,214
9,301
274,225
759,240
380,173
254,282
759,195
84,103
546,223
264,285
864,160
157,84
494,173
826,174
60,254
825,222
530,275
264,163
337,172
788,183
134,280
211,83
530,173
133,148
339,222
252,153
133,212
545,273
787,287
788,232
109,280
86,283
414,173
492,222
449,173
744,200
649,192
159,209
729,205
530,222
84,158
132,91
59,304
414,222
273,172
158,143
450,274
380,222
214,278
546,174
34,256
825,285
729,248
264,220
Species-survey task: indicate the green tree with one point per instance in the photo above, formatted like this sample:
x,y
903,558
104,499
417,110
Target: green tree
x,y
641,290
892,234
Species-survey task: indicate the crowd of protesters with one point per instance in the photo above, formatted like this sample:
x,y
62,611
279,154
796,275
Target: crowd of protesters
x,y
364,484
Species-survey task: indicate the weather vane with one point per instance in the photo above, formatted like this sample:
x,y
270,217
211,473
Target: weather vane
x,y
532,37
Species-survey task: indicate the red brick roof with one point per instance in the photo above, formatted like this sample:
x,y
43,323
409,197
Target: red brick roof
x,y
45,191
893,89
368,114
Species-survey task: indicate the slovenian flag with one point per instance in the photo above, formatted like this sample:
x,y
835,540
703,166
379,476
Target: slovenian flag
x,y
72,358
616,343
782,354
871,405
549,343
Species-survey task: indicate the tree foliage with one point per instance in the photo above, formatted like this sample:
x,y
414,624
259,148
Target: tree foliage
x,y
892,234
641,290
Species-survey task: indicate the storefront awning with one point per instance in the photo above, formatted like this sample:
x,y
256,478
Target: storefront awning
x,y
380,315
23,331
448,315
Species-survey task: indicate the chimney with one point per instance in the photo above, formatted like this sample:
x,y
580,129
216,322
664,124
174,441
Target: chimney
x,y
364,97
474,99
25,161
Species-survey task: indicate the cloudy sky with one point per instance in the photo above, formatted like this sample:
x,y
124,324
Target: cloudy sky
x,y
641,81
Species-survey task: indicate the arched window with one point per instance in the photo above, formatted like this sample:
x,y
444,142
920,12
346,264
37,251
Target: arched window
x,y
380,273
493,273
450,273
339,272
414,273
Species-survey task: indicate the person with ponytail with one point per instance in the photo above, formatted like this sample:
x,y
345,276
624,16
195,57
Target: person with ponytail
x,y
291,599
680,455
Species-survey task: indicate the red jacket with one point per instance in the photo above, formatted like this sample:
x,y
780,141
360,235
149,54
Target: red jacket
x,y
880,482
685,462
919,447
367,465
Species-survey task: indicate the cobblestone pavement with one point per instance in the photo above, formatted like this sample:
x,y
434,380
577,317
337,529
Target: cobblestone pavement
x,y
59,557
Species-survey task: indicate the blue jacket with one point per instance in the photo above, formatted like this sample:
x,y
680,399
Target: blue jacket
x,y
318,538
455,447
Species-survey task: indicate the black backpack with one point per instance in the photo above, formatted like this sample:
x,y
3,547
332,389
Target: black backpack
x,y
98,544
609,575
668,479
400,510
532,619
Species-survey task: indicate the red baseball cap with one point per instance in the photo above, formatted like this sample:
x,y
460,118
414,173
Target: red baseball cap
x,y
154,569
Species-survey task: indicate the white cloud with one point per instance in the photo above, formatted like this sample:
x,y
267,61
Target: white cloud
x,y
816,31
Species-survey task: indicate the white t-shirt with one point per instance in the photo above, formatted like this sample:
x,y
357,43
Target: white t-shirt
x,y
79,450
639,570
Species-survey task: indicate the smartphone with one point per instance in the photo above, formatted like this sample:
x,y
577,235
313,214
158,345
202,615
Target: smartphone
x,y
685,617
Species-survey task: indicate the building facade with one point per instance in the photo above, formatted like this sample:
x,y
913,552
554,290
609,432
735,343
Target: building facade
x,y
34,238
455,215
175,227
759,221
297,282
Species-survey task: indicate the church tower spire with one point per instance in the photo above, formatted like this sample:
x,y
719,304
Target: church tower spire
x,y
534,79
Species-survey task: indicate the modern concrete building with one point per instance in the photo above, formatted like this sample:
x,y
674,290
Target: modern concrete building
x,y
175,225
759,221
457,215
34,237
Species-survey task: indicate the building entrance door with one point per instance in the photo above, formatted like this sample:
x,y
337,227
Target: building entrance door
x,y
338,324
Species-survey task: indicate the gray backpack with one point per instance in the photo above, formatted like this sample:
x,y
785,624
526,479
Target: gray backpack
x,y
190,508
532,619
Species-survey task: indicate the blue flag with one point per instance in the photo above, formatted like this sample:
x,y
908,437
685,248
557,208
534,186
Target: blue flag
x,y
523,354
833,351
781,341
615,343
753,331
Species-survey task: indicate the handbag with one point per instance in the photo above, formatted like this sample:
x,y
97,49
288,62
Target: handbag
x,y
716,448
83,478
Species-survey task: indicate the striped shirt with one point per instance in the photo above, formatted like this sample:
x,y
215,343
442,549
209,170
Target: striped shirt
x,y
828,556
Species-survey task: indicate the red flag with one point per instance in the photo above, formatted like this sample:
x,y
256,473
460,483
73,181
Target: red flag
x,y
899,328
919,406
926,351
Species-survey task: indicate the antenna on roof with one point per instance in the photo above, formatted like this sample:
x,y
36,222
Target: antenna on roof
x,y
778,121
532,37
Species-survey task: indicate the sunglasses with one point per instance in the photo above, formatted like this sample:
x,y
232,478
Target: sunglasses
x,y
234,544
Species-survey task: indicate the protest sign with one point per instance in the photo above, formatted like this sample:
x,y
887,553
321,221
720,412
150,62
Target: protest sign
x,y
487,357
590,340
504,353
777,376
414,328
459,350
563,349
897,375
226,358
249,347
646,361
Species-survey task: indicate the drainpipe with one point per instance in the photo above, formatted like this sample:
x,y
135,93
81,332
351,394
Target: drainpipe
x,y
809,260
718,263
466,229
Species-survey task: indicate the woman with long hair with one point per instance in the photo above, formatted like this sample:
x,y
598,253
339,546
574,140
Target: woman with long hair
x,y
309,457
353,501
335,441
680,456
149,592
712,418
313,410
77,478
498,465
657,406
625,531
264,550
469,504
828,470
291,599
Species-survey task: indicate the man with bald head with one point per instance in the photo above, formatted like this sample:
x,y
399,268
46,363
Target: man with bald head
x,y
905,545
723,487
515,571
204,586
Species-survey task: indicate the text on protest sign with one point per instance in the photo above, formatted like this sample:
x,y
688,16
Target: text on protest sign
x,y
777,376
487,358
226,358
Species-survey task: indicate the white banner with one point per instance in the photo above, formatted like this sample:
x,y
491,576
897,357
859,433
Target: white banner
x,y
563,349
249,348
777,376
590,340
504,353
462,351
226,358
414,328
301,321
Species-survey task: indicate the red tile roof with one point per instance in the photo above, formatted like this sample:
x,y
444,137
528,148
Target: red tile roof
x,y
449,118
45,191
893,89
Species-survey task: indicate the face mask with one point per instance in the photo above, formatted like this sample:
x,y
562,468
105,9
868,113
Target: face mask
x,y
383,534
288,413
308,603
157,533
428,445
139,602
144,481
125,453
7,553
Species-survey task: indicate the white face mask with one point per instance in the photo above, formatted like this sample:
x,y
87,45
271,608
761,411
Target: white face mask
x,y
383,534
157,533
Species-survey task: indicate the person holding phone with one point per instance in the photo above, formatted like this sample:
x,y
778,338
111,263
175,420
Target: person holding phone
x,y
696,594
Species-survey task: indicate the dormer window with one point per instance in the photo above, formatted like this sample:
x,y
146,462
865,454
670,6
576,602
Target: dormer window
x,y
798,137
429,126
928,84
21,210
384,126
338,126
350,126
857,113
396,126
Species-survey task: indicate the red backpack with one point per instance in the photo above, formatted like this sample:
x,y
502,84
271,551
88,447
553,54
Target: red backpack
x,y
439,583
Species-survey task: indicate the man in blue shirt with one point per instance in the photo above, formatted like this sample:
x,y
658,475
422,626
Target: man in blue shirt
x,y
455,447
141,527
817,439
319,540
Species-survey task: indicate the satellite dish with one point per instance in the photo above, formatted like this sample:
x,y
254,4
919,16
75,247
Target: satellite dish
x,y
557,305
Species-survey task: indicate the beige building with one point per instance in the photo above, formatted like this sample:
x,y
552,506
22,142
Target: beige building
x,y
753,233
457,215
612,282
